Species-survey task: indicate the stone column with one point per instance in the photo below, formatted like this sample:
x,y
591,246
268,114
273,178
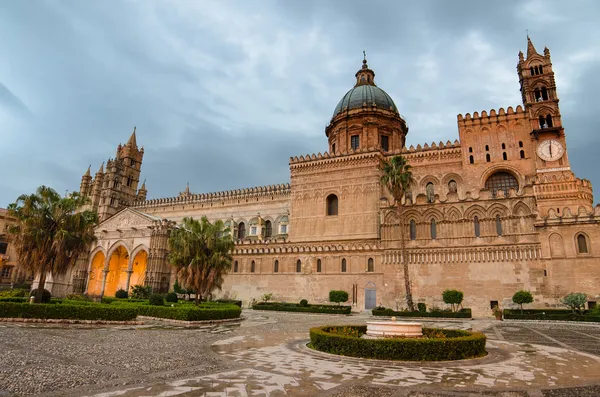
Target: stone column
x,y
158,266
104,274
129,273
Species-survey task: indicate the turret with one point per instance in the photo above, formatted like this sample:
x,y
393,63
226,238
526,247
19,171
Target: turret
x,y
86,183
97,186
142,193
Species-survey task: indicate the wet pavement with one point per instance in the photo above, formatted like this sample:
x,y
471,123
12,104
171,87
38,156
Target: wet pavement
x,y
266,355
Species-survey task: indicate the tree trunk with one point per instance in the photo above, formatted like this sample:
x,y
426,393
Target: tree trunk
x,y
407,287
197,298
39,292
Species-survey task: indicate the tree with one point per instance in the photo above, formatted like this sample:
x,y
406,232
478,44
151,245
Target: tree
x,y
576,301
397,177
51,232
521,298
453,298
338,296
201,251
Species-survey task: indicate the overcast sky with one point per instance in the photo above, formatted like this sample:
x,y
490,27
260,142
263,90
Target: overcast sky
x,y
224,92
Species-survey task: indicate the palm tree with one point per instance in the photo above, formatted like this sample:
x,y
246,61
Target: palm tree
x,y
397,177
201,251
51,232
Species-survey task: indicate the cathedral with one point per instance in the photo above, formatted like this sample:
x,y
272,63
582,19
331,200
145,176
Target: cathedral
x,y
496,211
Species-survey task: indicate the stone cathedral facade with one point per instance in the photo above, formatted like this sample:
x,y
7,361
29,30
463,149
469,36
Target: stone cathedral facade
x,y
495,211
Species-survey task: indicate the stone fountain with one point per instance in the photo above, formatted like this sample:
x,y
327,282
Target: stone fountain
x,y
393,329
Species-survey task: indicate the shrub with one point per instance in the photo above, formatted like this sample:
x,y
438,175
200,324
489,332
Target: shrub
x,y
141,291
79,297
267,297
303,303
121,294
576,301
292,307
551,314
522,297
382,311
439,344
14,293
46,295
171,297
157,300
74,312
230,301
422,307
338,296
22,299
191,312
25,286
453,298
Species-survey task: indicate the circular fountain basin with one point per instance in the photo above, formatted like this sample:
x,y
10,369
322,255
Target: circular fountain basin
x,y
393,329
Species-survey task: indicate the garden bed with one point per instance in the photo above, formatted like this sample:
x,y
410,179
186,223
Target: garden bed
x,y
66,311
381,311
436,345
550,314
293,307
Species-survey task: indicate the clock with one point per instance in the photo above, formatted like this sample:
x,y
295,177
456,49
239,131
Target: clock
x,y
550,150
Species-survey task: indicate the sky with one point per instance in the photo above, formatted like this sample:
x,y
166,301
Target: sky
x,y
223,92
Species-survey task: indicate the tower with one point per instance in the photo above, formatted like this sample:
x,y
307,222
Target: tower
x,y
85,189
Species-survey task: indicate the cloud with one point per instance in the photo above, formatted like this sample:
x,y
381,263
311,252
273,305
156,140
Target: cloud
x,y
223,93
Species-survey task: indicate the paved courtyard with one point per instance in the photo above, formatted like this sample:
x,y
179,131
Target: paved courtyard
x,y
266,355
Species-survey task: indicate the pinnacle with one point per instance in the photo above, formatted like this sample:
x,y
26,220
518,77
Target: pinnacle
x,y
530,48
87,173
132,141
101,170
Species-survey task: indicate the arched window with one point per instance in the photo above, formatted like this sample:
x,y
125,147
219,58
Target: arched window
x,y
433,229
549,121
344,265
487,148
498,225
241,230
504,156
235,266
477,227
501,181
488,158
544,94
385,143
268,229
470,150
430,190
520,143
319,266
582,247
543,122
332,204
503,146
531,70
537,94
276,266
252,267
452,186
471,160
541,69
413,230
129,180
298,266
370,265
522,154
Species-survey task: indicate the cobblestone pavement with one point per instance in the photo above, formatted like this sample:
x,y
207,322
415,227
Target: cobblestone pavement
x,y
266,355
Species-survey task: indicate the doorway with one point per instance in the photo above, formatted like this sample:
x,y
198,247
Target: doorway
x,y
370,296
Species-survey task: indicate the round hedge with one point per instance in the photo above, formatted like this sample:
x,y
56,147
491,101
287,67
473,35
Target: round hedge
x,y
456,345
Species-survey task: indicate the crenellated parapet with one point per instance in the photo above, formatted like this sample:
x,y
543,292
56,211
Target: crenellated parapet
x,y
567,216
264,192
493,117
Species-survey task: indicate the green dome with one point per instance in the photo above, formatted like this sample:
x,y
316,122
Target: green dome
x,y
365,94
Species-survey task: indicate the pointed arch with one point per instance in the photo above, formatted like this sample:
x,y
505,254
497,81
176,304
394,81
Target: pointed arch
x,y
116,245
453,214
433,213
497,209
475,210
557,247
521,209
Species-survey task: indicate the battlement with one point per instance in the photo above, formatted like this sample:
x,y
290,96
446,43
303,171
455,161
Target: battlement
x,y
282,189
583,214
493,116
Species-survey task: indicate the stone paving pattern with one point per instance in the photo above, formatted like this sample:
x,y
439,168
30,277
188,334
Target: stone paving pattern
x,y
265,356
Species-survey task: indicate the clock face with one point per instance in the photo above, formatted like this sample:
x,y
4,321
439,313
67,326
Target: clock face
x,y
550,150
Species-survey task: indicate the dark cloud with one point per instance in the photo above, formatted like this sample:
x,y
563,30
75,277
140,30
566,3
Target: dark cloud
x,y
223,93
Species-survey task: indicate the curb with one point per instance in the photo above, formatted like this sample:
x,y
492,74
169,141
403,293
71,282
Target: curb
x,y
67,321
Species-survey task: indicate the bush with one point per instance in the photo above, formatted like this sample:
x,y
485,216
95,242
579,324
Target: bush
x,y
522,297
422,307
157,300
14,293
71,312
171,297
79,297
550,314
338,296
141,291
267,297
303,303
382,311
576,301
46,295
191,312
292,307
14,299
450,345
121,294
230,301
453,298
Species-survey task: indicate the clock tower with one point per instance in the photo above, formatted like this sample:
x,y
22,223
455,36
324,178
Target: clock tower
x,y
555,186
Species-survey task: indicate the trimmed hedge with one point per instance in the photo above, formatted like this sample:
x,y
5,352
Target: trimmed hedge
x,y
463,313
187,313
457,345
71,312
230,301
554,315
14,299
293,307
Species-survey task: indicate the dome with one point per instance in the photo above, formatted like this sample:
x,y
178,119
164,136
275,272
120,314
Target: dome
x,y
365,94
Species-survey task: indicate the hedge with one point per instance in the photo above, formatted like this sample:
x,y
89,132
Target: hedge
x,y
456,346
230,301
293,307
190,313
72,312
14,299
554,315
463,313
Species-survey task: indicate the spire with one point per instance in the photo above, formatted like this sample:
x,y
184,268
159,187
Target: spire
x,y
530,48
143,185
365,76
101,170
87,173
132,141
187,188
